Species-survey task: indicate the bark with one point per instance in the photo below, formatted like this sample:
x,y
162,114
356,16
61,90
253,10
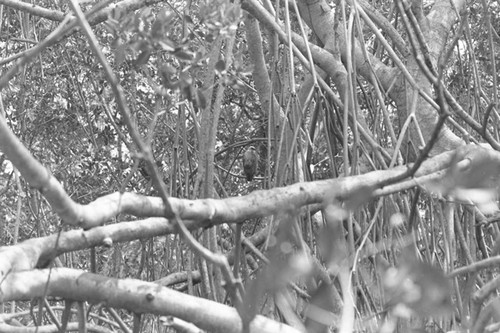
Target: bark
x,y
210,120
196,214
134,295
436,26
329,62
269,103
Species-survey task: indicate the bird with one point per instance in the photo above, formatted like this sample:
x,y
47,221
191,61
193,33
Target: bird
x,y
250,161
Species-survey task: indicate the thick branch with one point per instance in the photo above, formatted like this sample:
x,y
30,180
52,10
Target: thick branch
x,y
133,295
51,14
196,214
56,15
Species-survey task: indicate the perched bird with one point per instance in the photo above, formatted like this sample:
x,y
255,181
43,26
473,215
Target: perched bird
x,y
250,161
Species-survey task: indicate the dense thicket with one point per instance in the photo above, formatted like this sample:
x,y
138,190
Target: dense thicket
x,y
123,126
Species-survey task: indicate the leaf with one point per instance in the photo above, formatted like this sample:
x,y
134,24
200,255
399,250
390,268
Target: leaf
x,y
183,55
220,66
332,244
117,42
201,101
416,287
473,175
185,79
484,199
233,13
165,16
143,58
120,54
144,12
358,197
188,19
157,30
167,70
209,38
474,167
167,45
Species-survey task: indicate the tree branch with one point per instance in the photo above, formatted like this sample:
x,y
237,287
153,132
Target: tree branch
x,y
134,295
